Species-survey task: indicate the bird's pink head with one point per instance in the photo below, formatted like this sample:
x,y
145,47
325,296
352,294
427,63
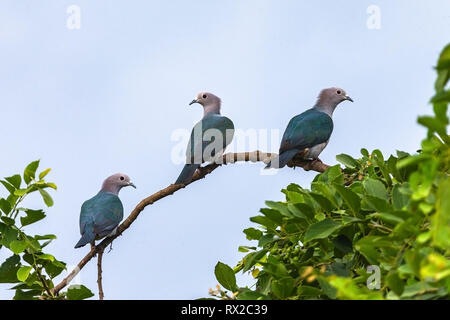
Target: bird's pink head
x,y
331,97
209,101
117,181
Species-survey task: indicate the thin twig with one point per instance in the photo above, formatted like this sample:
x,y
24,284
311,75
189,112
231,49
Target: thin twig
x,y
41,278
99,273
379,226
255,156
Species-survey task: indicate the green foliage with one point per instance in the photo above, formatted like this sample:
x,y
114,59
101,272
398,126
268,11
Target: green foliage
x,y
78,292
388,215
225,276
29,267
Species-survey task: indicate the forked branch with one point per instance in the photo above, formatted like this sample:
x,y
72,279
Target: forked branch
x,y
255,156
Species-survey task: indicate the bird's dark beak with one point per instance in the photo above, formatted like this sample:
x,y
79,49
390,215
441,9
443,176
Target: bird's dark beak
x,y
348,98
193,101
131,184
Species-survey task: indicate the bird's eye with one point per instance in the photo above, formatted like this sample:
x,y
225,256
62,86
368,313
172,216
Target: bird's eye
x,y
338,92
204,96
122,178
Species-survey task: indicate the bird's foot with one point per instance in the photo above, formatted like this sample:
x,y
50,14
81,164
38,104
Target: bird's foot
x,y
110,247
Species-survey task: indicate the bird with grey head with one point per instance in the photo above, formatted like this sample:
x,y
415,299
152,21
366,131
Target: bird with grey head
x,y
308,133
101,215
209,137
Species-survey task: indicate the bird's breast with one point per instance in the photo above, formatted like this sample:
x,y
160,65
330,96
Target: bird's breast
x,y
313,153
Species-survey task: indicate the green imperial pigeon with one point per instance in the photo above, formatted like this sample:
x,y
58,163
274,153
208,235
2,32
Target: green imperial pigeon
x,y
308,133
101,214
209,137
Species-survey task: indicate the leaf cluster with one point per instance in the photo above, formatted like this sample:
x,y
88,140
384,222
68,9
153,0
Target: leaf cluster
x,y
30,268
385,217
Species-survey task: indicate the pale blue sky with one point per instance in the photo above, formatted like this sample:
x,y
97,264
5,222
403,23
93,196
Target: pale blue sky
x,y
107,98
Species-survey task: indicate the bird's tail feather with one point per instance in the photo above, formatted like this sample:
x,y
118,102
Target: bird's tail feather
x,y
282,159
186,174
86,238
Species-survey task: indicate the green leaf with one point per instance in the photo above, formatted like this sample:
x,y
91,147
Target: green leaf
x,y
308,291
441,96
348,290
368,245
264,221
323,202
265,239
50,185
8,221
343,244
30,171
321,230
375,188
327,191
293,197
30,283
252,258
440,223
273,215
301,210
78,292
27,295
415,289
364,152
45,237
440,109
377,204
332,174
327,288
412,160
9,268
347,160
280,207
5,206
15,180
44,173
350,198
340,269
253,234
47,198
283,288
32,216
247,294
17,246
20,192
388,217
399,199
33,244
225,275
444,59
395,283
23,273
54,268
9,234
8,186
433,124
348,220
245,248
46,256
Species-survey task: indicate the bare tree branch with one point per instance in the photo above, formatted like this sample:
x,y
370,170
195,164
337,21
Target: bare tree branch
x,y
99,274
255,156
